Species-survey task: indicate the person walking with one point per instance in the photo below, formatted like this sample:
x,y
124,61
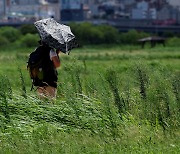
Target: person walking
x,y
44,73
49,82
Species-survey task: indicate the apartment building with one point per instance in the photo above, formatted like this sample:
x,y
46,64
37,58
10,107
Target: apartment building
x,y
24,10
2,11
144,11
72,10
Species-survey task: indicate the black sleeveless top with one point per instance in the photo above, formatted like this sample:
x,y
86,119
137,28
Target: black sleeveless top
x,y
49,71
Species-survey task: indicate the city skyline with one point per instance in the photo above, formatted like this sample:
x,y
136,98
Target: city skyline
x,y
85,9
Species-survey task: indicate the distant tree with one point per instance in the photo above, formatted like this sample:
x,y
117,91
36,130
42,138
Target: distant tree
x,y
110,34
3,41
29,40
88,33
168,34
131,37
83,32
25,29
10,33
173,42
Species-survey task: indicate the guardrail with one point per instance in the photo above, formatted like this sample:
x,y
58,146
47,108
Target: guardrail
x,y
118,25
14,24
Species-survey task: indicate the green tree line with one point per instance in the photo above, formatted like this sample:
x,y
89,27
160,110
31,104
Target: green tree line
x,y
86,34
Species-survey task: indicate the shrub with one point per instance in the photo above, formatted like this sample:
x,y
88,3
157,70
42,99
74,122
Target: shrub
x,y
110,34
25,29
88,33
95,36
131,37
168,34
173,42
85,33
3,41
10,33
29,40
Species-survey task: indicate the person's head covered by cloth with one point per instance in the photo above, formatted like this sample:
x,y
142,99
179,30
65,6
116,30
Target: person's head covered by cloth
x,y
42,65
56,35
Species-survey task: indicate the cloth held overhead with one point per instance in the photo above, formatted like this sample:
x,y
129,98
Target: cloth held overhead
x,y
56,35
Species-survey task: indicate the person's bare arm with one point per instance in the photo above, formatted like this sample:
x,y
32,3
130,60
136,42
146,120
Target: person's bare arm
x,y
56,61
55,58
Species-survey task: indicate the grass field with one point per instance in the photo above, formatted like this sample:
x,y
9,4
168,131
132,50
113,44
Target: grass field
x,y
111,99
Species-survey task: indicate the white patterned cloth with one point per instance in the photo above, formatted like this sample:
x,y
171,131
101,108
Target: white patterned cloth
x,y
56,35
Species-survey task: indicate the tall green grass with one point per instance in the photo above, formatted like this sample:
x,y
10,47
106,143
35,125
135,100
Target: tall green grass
x,y
126,107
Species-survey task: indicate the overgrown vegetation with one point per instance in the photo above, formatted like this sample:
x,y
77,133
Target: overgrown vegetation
x,y
86,34
110,100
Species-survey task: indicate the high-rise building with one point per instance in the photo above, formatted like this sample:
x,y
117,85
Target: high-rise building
x,y
70,4
174,2
71,10
126,2
2,8
30,9
25,2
